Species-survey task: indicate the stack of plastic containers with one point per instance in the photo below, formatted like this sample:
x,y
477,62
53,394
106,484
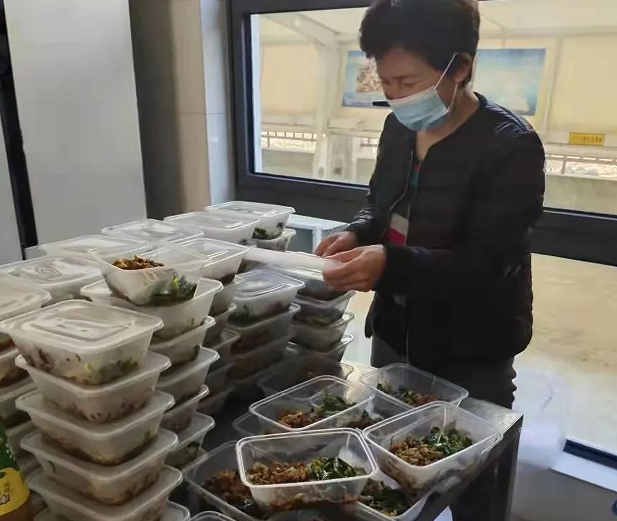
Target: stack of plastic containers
x,y
320,325
16,298
185,325
270,232
261,319
96,411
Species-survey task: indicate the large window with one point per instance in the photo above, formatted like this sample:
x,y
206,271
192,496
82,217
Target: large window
x,y
314,89
307,134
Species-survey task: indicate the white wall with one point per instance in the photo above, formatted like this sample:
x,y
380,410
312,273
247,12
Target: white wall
x,y
75,84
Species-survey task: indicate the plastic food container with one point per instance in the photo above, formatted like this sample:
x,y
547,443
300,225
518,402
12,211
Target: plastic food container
x,y
346,444
9,372
14,435
173,512
262,331
224,299
148,506
214,334
114,485
106,444
218,225
16,298
301,369
101,403
178,318
262,294
217,380
247,389
222,344
184,348
315,312
362,512
261,357
153,231
188,379
248,425
83,246
215,404
179,417
190,441
315,286
61,276
418,423
335,352
81,341
222,260
312,393
12,417
404,376
272,218
143,287
281,243
321,337
217,460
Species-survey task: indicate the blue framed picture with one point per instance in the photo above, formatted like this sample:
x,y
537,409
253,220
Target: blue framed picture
x,y
362,86
511,77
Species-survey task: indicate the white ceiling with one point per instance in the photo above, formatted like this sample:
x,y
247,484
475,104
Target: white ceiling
x,y
500,18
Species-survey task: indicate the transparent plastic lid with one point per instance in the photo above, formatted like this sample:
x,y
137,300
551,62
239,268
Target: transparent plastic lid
x,y
169,479
173,512
152,230
54,271
81,327
82,246
200,425
35,405
17,297
163,443
212,250
258,210
263,282
212,220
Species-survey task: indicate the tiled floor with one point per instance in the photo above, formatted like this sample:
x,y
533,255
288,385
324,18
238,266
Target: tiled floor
x,y
575,342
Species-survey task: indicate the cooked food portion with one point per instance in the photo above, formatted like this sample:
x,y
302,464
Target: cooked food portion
x,y
318,469
435,446
179,289
407,396
136,263
296,419
387,500
227,485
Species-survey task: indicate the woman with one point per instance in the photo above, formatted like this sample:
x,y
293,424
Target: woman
x,y
444,236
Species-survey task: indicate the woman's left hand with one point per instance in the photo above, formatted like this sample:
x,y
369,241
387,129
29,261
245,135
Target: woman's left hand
x,y
362,268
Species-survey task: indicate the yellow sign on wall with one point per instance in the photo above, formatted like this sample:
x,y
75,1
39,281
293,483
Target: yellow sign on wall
x,y
581,138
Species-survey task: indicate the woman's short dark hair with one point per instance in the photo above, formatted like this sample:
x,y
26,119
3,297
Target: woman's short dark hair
x,y
432,29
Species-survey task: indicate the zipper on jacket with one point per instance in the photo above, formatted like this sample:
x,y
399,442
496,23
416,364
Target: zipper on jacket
x,y
398,200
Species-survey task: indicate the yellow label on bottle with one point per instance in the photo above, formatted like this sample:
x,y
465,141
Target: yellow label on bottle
x,y
581,138
13,490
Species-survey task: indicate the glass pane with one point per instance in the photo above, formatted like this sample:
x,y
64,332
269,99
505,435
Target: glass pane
x,y
546,60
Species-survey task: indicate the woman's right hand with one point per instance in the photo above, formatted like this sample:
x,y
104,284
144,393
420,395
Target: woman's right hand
x,y
337,243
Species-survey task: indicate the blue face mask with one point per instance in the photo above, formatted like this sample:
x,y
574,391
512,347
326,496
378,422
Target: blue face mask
x,y
423,110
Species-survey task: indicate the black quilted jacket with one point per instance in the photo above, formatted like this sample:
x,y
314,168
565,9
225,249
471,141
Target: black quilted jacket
x,y
466,272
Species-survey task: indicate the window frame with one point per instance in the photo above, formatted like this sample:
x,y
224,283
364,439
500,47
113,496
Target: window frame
x,y
561,232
